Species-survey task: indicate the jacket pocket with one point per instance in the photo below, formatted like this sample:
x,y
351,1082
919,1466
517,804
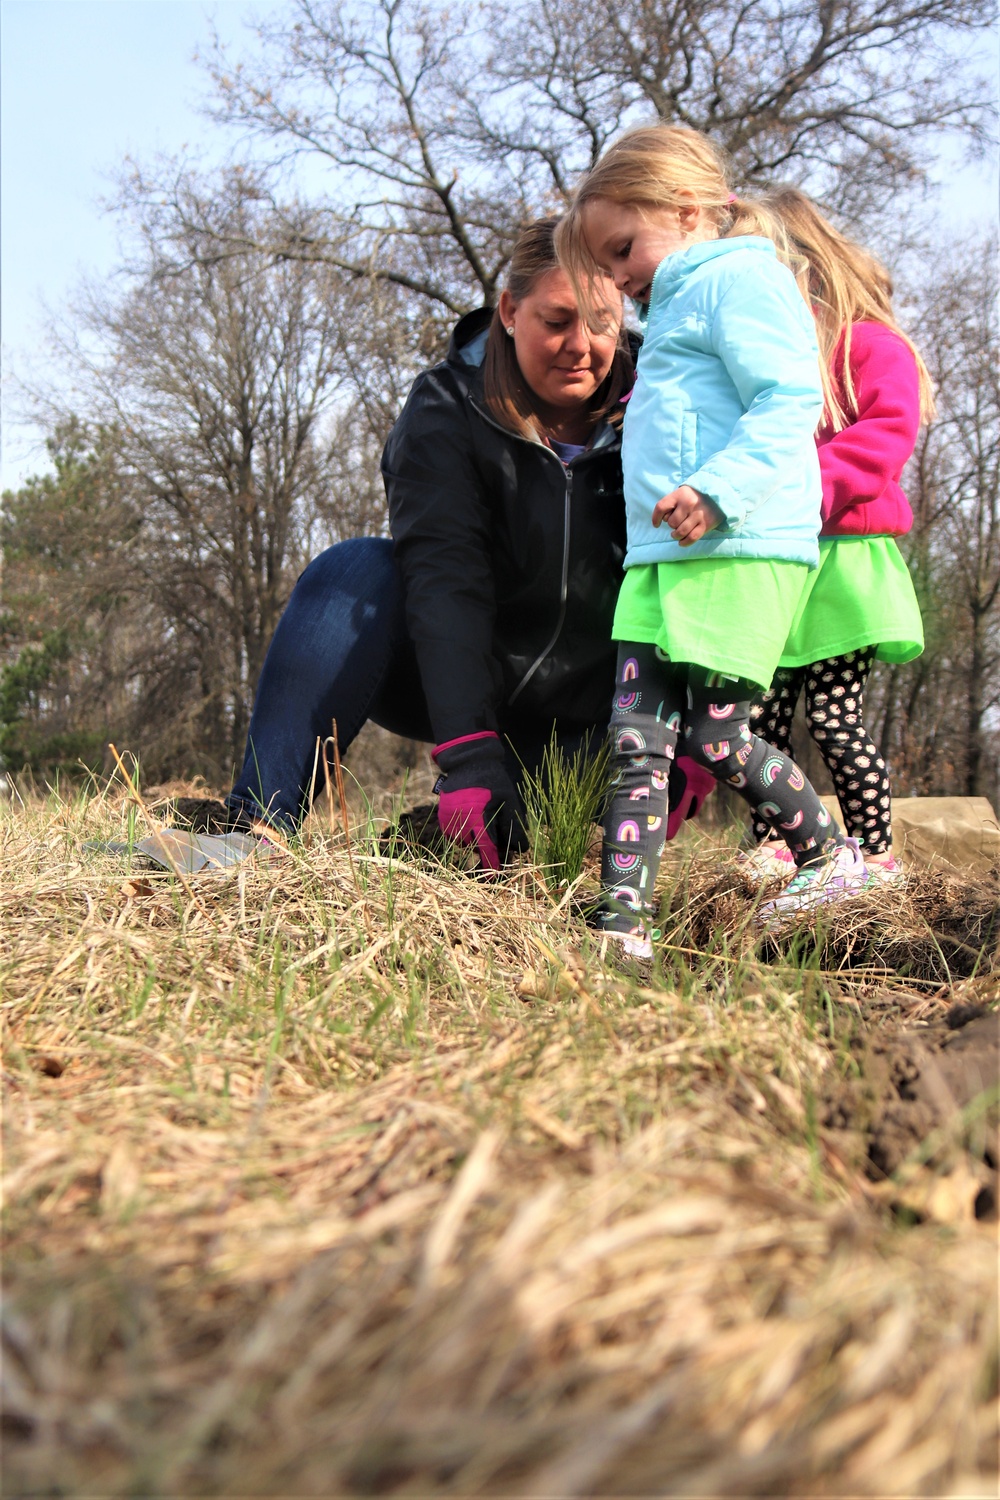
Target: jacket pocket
x,y
689,444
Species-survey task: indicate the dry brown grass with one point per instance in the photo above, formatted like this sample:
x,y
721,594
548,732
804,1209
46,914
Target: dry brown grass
x,y
385,1182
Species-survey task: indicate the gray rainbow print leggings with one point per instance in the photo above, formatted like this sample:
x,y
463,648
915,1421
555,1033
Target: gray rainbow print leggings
x,y
659,704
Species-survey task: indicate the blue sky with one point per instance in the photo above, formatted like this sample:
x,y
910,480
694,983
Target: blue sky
x,y
83,83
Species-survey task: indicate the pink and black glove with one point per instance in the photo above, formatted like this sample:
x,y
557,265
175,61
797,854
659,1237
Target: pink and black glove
x,y
479,804
690,784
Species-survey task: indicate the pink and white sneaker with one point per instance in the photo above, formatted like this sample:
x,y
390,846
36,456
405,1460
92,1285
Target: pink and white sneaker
x,y
842,874
771,860
883,869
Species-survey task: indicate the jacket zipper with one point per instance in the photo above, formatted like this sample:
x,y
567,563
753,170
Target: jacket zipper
x,y
563,586
564,580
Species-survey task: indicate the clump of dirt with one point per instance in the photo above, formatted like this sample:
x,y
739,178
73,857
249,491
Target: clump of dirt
x,y
923,1111
939,926
417,832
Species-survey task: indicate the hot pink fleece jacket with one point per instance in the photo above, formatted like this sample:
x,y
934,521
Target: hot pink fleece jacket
x,y
861,465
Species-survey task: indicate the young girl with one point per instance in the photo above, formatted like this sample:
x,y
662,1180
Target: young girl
x,y
722,497
859,606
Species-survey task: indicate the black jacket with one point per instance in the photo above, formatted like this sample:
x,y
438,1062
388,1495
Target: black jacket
x,y
511,561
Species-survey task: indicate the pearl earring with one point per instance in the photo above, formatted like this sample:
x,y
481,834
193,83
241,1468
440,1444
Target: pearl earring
x,y
510,330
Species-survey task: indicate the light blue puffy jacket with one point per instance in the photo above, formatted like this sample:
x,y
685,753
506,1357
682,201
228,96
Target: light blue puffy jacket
x,y
727,399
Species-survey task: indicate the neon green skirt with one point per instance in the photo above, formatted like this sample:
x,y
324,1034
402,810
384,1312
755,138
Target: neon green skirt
x,y
860,595
727,614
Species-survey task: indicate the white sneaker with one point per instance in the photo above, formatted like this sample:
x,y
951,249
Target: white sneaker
x,y
841,875
631,944
771,860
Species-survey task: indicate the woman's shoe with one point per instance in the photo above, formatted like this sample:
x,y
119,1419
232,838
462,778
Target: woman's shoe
x,y
842,874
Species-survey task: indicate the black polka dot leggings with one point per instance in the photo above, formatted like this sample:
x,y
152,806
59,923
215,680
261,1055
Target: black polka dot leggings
x,y
834,708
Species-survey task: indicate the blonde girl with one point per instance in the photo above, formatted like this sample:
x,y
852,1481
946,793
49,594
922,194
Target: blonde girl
x,y
722,494
859,606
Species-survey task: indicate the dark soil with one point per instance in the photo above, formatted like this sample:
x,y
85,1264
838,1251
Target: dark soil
x,y
205,815
417,832
925,1100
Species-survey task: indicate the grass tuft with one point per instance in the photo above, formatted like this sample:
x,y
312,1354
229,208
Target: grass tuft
x,y
563,800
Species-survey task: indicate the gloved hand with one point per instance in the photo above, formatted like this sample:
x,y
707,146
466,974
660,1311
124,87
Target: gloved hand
x,y
479,804
690,784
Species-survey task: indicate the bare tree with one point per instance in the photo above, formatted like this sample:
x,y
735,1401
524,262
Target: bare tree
x,y
960,330
376,91
940,715
444,127
223,380
843,96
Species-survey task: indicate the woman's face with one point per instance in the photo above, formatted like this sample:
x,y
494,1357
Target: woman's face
x,y
562,362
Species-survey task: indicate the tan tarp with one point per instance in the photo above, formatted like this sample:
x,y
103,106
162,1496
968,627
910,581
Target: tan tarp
x,y
962,832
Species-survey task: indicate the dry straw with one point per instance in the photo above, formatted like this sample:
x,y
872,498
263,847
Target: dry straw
x,y
443,1205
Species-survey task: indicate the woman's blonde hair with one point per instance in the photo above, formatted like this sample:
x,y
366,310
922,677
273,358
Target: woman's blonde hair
x,y
655,167
844,284
508,395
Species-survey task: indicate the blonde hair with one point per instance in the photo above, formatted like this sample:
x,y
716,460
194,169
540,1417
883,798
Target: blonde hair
x,y
507,394
655,167
844,284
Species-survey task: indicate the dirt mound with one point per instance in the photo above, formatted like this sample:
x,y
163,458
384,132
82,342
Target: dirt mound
x,y
938,927
923,1112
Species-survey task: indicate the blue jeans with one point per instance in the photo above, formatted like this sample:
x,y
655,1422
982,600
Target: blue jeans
x,y
341,651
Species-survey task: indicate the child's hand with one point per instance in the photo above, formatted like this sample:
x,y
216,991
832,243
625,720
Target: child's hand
x,y
688,514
